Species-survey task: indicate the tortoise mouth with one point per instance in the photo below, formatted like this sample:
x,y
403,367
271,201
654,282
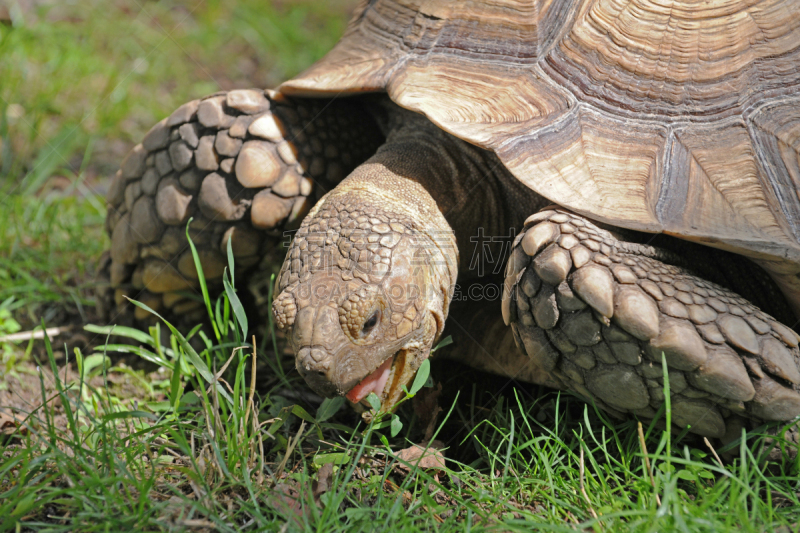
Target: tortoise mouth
x,y
374,382
385,382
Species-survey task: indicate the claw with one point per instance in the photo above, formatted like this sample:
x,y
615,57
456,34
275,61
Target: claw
x,y
778,360
596,287
724,374
553,264
636,313
738,333
774,402
545,310
681,345
537,236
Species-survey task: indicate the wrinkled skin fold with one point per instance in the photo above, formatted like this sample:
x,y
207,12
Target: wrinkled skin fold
x,y
367,281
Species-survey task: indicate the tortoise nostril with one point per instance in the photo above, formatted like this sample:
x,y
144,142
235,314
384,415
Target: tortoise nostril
x,y
313,360
315,366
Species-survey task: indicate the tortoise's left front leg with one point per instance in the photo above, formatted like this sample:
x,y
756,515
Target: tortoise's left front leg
x,y
598,313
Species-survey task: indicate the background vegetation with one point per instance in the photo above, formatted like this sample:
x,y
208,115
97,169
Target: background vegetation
x,y
82,81
163,433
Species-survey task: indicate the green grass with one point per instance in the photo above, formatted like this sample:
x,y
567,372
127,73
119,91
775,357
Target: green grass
x,y
81,82
48,247
208,452
209,464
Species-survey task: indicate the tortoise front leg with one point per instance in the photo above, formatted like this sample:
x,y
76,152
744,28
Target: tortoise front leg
x,y
598,313
244,165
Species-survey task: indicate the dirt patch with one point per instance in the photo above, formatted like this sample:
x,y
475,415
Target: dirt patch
x,y
27,387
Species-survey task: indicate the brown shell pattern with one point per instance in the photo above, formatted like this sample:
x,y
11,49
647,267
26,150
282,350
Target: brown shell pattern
x,y
664,116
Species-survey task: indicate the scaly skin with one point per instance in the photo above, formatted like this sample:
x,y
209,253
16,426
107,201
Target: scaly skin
x,y
598,313
377,247
399,221
244,165
387,239
371,273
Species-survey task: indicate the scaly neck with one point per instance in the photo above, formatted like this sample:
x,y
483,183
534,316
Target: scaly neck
x,y
482,203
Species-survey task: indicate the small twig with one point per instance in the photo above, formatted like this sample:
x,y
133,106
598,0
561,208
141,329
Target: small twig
x,y
197,522
643,446
290,448
572,517
218,375
713,451
35,333
583,488
216,413
252,384
260,475
199,493
166,446
250,407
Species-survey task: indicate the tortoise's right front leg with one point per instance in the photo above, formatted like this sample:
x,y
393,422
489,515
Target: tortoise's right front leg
x,y
598,313
244,165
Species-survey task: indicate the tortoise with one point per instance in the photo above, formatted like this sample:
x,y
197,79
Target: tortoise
x,y
644,157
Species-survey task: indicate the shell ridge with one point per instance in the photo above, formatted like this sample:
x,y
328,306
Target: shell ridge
x,y
775,172
546,45
667,181
659,90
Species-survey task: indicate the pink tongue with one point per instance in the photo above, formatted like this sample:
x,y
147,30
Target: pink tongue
x,y
375,382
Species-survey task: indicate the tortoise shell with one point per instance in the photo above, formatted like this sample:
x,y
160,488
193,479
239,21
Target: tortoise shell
x,y
671,116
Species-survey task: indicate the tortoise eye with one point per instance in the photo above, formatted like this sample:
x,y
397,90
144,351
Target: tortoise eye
x,y
371,322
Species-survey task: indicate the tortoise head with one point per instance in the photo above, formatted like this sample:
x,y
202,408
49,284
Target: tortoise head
x,y
362,297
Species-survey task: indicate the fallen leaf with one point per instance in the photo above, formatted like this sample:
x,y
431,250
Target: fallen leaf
x,y
322,484
10,423
418,455
286,500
